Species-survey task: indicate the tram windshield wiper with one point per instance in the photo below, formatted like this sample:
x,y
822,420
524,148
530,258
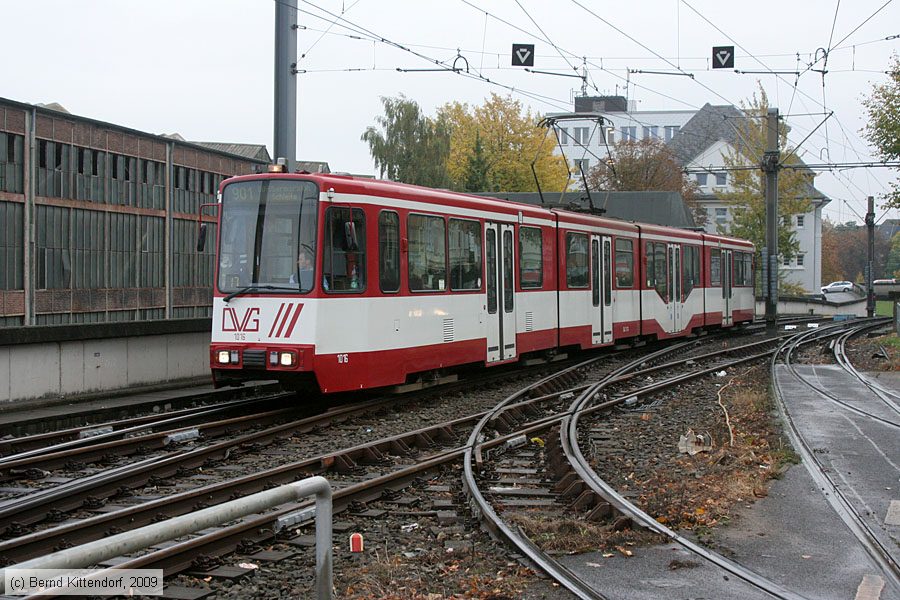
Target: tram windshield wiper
x,y
254,287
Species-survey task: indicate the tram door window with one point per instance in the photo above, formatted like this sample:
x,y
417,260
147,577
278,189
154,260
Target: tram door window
x,y
508,284
715,267
595,272
345,250
690,271
607,272
657,276
491,259
389,251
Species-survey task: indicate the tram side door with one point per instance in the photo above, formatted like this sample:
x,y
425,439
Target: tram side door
x,y
601,290
727,292
501,293
676,306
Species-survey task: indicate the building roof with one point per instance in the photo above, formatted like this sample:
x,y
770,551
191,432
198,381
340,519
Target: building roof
x,y
252,151
709,125
54,109
313,166
656,208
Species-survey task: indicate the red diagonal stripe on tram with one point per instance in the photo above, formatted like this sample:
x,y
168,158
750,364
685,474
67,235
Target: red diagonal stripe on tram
x,y
290,329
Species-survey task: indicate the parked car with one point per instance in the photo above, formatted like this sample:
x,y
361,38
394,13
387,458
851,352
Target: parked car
x,y
838,286
885,281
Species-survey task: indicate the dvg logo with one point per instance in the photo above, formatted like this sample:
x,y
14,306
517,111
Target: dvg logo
x,y
248,322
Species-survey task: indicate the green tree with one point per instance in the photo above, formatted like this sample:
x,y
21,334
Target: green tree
x,y
511,140
477,173
883,128
409,146
892,264
747,196
646,165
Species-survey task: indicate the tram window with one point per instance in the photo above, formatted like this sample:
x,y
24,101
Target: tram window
x,y
715,267
576,260
465,254
657,277
607,276
344,264
743,268
427,253
595,272
508,284
659,259
738,268
624,263
389,251
690,270
491,259
531,252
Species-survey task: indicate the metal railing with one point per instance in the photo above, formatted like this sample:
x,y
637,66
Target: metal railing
x,y
98,551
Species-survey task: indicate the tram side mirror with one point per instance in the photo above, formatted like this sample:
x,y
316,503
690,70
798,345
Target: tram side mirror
x,y
350,239
201,238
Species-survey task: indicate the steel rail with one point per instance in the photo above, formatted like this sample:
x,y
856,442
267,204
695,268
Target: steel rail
x,y
30,544
808,338
569,441
840,355
832,492
486,514
45,443
67,496
157,440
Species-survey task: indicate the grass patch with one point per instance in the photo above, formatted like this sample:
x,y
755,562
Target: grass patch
x,y
570,536
884,308
890,340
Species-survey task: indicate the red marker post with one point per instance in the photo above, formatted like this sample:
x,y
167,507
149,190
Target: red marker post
x,y
356,542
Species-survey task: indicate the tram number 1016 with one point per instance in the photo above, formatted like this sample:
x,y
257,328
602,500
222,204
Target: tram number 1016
x,y
343,359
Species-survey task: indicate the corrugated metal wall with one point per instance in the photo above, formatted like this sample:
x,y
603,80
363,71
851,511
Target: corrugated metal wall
x,y
98,205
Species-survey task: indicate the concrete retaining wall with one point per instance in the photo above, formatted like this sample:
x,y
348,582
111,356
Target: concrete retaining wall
x,y
65,361
815,306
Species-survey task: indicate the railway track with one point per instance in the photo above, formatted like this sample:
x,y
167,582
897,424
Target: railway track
x,y
574,490
846,504
365,473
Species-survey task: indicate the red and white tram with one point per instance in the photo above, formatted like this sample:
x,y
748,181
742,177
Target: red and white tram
x,y
403,281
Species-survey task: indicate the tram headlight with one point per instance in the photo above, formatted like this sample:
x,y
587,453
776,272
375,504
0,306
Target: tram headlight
x,y
288,359
224,357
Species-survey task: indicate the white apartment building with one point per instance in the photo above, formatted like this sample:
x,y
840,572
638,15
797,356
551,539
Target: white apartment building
x,y
701,139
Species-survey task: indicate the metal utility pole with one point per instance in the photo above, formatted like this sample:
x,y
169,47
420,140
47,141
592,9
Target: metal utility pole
x,y
770,167
286,84
870,266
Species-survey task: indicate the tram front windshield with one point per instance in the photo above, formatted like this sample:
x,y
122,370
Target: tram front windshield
x,y
267,238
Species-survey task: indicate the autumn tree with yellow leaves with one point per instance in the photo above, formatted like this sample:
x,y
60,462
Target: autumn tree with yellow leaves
x,y
494,144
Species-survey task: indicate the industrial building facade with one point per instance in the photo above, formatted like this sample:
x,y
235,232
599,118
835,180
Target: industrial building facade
x,y
98,223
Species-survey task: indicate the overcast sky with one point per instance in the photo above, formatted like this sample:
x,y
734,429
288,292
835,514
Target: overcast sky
x,y
204,68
